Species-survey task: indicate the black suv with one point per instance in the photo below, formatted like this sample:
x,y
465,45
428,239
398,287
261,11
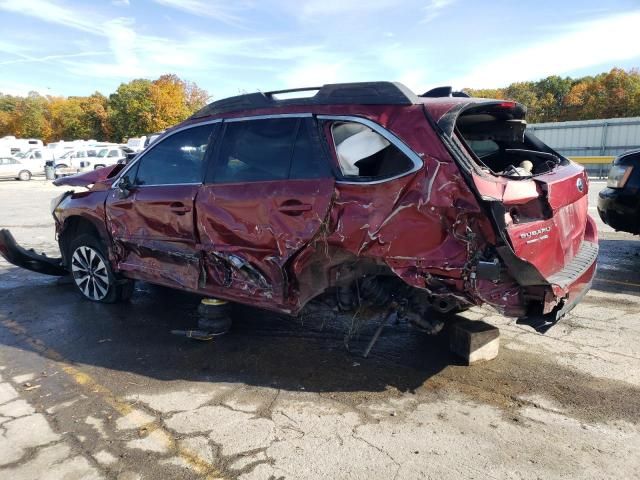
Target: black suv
x,y
619,202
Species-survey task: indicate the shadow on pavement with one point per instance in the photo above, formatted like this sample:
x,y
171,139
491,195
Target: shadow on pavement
x,y
262,348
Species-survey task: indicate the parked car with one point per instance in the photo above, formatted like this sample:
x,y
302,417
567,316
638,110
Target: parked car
x,y
619,202
365,188
70,163
34,159
137,144
11,167
40,155
106,156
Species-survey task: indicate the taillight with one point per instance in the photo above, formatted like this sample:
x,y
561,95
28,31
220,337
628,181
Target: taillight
x,y
618,176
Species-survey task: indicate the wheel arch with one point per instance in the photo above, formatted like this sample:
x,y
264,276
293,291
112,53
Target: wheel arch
x,y
77,225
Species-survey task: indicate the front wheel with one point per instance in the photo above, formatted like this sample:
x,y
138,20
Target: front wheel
x,y
24,175
92,273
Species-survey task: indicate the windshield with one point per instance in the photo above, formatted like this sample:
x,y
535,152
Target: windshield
x,y
20,155
103,153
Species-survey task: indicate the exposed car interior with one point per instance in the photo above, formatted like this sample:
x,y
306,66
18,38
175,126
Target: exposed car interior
x,y
499,142
362,152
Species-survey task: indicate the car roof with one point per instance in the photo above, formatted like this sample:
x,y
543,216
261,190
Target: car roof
x,y
442,103
360,93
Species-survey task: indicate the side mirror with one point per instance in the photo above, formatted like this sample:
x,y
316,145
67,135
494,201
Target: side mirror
x,y
124,187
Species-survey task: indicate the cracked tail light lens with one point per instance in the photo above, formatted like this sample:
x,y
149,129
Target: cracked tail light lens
x,y
618,176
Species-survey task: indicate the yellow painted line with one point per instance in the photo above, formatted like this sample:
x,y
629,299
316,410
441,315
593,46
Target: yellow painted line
x,y
618,282
592,159
197,463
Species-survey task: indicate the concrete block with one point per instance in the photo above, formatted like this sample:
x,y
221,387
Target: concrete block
x,y
474,341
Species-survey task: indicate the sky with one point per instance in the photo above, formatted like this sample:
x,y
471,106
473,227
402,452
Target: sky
x,y
227,47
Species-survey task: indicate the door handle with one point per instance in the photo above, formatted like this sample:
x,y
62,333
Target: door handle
x,y
179,208
294,208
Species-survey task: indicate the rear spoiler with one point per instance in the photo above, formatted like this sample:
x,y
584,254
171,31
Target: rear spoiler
x,y
512,110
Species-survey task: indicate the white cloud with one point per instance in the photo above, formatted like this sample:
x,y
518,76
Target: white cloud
x,y
434,8
586,44
225,12
49,12
48,58
310,9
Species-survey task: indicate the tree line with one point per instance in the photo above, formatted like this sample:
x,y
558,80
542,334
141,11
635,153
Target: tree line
x,y
136,108
611,94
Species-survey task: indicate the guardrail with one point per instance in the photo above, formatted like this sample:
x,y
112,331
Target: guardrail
x,y
596,166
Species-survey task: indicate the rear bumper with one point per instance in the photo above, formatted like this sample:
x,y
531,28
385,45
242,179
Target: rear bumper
x,y
620,209
569,285
577,291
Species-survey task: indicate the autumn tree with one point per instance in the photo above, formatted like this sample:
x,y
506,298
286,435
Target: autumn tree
x,y
142,106
607,95
130,109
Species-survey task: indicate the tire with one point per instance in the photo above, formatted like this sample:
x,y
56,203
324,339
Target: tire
x,y
24,175
92,274
96,167
62,165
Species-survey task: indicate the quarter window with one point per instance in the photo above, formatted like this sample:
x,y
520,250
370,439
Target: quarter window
x,y
364,154
177,159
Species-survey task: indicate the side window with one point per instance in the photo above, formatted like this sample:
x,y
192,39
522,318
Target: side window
x,y
256,150
113,153
308,157
38,155
177,159
364,154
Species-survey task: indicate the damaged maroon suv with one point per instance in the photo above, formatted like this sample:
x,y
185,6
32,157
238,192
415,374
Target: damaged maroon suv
x,y
440,200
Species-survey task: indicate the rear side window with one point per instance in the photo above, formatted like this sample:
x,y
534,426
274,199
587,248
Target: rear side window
x,y
269,149
177,159
364,155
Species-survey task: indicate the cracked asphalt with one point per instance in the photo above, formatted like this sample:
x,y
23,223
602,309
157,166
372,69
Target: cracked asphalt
x,y
105,391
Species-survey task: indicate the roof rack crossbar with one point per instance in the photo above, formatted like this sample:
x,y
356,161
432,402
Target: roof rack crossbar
x,y
292,90
363,93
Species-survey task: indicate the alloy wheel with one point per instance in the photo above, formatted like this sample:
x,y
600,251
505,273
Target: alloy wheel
x,y
90,273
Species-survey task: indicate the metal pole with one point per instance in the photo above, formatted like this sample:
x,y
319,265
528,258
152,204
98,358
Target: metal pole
x,y
603,145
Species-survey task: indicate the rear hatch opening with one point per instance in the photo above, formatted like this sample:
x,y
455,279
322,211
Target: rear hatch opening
x,y
494,135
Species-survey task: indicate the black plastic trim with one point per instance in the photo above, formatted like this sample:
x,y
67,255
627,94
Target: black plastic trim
x,y
358,93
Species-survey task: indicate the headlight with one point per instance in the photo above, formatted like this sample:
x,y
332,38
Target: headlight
x,y
618,176
56,201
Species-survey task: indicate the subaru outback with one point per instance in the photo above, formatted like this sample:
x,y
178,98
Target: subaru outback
x,y
441,200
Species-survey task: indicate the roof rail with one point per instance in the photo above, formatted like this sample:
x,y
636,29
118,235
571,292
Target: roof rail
x,y
439,92
362,93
